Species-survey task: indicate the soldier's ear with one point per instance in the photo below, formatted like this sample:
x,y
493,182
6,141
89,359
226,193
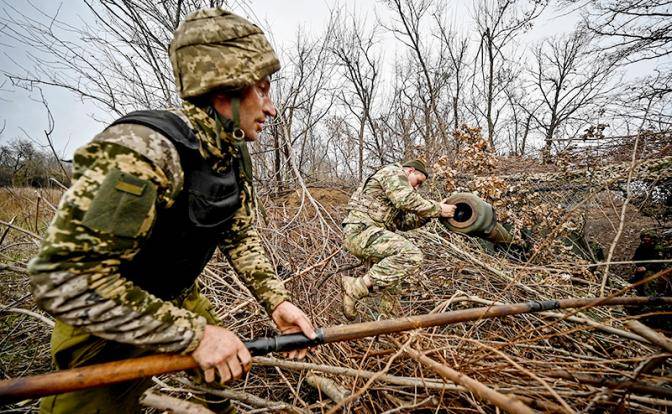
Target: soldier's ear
x,y
222,104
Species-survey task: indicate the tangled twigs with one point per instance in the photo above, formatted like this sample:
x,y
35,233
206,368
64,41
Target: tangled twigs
x,y
22,230
632,386
373,378
390,379
507,403
246,398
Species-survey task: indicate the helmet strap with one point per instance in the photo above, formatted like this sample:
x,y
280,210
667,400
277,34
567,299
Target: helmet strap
x,y
238,133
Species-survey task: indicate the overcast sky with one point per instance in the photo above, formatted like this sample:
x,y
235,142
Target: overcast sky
x,y
76,121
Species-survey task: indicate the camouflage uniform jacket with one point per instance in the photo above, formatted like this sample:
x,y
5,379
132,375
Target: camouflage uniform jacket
x,y
76,275
387,200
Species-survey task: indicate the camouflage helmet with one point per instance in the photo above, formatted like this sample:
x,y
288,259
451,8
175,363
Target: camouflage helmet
x,y
650,233
214,49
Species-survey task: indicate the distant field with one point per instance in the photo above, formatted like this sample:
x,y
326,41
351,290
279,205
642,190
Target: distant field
x,y
24,340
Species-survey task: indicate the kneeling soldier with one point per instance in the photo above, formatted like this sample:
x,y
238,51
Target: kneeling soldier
x,y
385,202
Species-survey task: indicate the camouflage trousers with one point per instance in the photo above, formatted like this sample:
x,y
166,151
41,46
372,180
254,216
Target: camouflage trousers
x,y
394,257
72,347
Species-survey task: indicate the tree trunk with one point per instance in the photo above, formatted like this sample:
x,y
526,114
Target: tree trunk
x,y
525,133
360,169
277,174
491,59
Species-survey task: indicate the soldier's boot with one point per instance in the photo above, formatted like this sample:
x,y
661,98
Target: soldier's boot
x,y
354,289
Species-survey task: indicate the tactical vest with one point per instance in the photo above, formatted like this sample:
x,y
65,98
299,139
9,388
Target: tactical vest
x,y
184,236
373,202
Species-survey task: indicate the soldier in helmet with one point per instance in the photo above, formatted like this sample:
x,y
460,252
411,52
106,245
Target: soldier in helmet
x,y
153,196
652,248
649,249
385,202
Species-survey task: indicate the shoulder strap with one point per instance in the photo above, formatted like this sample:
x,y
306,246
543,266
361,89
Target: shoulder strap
x,y
370,177
164,122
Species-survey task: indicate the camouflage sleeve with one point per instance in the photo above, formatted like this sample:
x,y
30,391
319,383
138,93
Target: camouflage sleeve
x,y
410,221
242,246
403,196
100,223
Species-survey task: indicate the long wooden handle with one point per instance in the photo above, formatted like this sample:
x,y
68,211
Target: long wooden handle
x,y
119,371
92,376
109,373
365,329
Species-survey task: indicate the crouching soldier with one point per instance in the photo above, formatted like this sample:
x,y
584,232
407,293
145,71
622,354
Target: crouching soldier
x,y
385,202
153,196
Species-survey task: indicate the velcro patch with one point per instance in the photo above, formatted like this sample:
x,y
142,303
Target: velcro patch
x,y
121,204
129,188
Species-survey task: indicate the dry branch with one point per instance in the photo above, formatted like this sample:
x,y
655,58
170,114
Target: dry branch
x,y
246,398
507,403
654,337
171,404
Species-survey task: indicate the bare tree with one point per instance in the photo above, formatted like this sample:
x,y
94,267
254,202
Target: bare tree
x,y
498,22
431,69
303,98
641,104
634,29
354,49
120,61
457,47
24,164
570,79
519,123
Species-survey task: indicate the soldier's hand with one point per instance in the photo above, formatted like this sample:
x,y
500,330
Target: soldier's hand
x,y
221,350
447,210
290,319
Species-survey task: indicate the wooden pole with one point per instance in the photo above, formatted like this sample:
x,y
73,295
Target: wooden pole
x,y
93,376
365,329
99,375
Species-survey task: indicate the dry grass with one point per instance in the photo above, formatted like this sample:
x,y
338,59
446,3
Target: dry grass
x,y
516,355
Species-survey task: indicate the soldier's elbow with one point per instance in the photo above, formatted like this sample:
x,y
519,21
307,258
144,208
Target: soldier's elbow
x,y
45,291
41,294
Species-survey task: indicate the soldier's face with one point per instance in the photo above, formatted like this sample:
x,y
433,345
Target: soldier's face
x,y
255,107
416,178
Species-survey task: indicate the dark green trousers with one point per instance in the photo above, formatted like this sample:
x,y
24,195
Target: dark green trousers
x,y
72,347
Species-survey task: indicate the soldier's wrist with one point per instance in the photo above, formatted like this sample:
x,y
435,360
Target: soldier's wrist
x,y
437,209
198,329
273,301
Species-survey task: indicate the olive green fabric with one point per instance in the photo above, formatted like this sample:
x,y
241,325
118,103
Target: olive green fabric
x,y
121,205
72,347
